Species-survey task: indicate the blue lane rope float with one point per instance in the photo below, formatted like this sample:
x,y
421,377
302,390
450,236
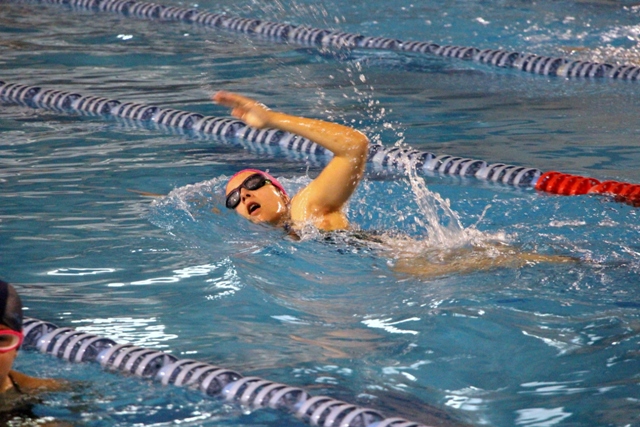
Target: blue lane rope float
x,y
254,392
308,36
387,158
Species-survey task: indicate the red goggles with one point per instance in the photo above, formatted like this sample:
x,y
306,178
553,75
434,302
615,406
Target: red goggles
x,y
10,340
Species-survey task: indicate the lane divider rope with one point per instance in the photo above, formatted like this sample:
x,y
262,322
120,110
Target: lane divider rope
x,y
76,346
387,158
309,36
393,158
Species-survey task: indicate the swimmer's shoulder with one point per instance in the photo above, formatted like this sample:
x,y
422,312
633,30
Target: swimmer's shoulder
x,y
29,385
17,404
302,211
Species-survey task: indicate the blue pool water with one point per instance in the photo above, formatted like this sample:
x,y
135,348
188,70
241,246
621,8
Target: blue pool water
x,y
118,228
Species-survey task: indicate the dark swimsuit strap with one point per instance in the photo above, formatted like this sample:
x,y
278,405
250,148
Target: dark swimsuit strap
x,y
289,231
15,384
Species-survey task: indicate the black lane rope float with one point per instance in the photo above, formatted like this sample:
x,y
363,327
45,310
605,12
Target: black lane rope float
x,y
309,36
77,346
387,158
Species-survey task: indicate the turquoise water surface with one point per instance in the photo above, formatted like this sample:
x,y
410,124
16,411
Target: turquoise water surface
x,y
119,228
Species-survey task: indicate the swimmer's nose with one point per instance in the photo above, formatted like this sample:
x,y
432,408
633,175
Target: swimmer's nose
x,y
244,193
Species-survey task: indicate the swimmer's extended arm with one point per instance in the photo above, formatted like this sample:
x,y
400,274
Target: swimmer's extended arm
x,y
335,184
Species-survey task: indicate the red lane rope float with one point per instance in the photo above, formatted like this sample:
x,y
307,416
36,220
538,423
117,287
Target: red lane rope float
x,y
571,185
565,184
625,192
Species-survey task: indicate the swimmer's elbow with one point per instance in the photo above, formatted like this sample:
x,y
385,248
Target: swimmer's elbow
x,y
363,142
358,144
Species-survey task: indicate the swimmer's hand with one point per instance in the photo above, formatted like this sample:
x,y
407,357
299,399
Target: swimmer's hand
x,y
248,110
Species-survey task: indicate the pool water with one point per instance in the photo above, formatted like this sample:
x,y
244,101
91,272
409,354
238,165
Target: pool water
x,y
119,228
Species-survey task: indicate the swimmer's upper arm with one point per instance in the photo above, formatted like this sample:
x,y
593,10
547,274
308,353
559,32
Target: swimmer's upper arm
x,y
339,179
336,183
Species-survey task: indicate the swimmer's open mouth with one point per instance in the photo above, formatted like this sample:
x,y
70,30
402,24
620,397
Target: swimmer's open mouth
x,y
252,208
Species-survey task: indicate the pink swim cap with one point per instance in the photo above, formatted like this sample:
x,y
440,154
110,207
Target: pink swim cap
x,y
274,181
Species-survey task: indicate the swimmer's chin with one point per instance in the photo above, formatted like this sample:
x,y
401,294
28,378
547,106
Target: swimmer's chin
x,y
256,218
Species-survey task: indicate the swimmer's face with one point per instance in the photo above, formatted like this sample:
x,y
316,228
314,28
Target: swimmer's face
x,y
6,361
263,204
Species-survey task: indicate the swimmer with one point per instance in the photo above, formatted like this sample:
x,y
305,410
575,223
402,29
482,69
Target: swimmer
x,y
260,198
13,383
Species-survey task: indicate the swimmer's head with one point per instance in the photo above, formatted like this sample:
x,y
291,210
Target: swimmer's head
x,y
257,196
10,307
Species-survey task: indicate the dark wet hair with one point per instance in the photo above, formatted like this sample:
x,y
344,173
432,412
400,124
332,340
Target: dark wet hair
x,y
10,307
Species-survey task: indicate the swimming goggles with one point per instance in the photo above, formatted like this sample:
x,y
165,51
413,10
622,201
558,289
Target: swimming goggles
x,y
10,340
252,183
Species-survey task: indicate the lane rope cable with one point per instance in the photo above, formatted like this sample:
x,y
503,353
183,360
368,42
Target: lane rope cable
x,y
309,36
388,158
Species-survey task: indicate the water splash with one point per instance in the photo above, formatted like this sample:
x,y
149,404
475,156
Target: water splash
x,y
440,244
183,204
441,223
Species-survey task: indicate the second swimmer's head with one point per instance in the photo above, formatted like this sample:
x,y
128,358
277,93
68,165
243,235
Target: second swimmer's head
x,y
257,196
10,307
